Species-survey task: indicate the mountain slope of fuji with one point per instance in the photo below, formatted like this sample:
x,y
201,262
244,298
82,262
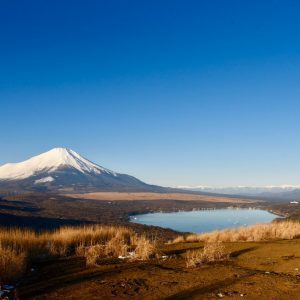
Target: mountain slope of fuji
x,y
62,169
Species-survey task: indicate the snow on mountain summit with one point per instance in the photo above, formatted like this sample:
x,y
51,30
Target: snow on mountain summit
x,y
49,162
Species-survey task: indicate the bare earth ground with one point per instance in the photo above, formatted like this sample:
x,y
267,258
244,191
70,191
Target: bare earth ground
x,y
262,270
113,196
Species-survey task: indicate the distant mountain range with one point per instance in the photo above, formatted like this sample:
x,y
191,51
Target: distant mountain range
x,y
64,170
278,192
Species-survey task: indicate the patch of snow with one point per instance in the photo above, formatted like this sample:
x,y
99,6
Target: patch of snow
x,y
44,180
49,162
130,255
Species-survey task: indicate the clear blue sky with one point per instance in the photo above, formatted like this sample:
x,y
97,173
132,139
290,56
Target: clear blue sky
x,y
173,92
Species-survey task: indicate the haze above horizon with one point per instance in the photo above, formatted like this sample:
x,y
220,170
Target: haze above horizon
x,y
174,93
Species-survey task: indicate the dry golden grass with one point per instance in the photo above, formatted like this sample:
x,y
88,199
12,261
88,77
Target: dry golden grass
x,y
12,263
23,240
285,230
114,196
91,253
134,248
65,240
144,248
177,240
19,247
212,252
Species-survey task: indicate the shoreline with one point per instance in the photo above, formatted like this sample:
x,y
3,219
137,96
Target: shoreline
x,y
44,212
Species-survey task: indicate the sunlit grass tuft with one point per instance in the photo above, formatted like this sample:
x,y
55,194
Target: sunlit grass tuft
x,y
212,252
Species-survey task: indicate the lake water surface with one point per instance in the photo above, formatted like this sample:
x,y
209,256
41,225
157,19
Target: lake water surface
x,y
205,220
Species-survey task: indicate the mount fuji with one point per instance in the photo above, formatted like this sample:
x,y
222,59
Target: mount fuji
x,y
64,170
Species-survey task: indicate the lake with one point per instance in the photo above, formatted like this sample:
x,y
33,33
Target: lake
x,y
205,220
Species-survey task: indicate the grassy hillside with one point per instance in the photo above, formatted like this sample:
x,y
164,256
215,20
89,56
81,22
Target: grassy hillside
x,y
72,263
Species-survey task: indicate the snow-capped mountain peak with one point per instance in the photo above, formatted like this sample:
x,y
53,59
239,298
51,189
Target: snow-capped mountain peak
x,y
50,161
63,170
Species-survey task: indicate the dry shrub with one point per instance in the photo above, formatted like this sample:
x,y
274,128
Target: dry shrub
x,y
12,263
116,247
261,232
58,249
112,246
144,248
193,258
178,239
80,250
92,253
212,252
